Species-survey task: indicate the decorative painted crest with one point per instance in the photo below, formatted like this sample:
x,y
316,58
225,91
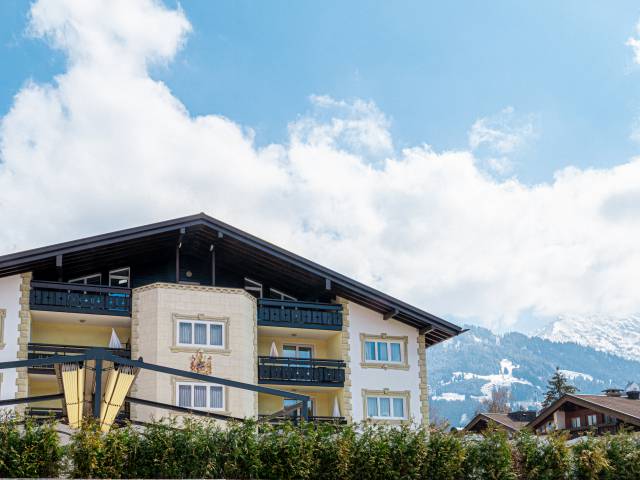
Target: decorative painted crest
x,y
200,364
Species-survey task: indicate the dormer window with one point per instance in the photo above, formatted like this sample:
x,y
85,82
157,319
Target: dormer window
x,y
93,279
278,295
120,277
253,287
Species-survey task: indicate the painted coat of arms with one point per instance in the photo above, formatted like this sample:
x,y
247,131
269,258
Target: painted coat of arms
x,y
200,364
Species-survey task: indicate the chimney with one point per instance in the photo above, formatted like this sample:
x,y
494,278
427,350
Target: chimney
x,y
633,391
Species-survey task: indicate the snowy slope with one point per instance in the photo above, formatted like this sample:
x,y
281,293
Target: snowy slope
x,y
618,336
464,370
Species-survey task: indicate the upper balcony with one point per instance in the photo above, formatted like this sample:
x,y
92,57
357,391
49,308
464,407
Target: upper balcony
x,y
80,298
301,371
295,314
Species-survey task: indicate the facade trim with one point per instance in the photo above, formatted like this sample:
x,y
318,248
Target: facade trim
x,y
24,334
424,385
175,347
345,346
404,341
406,394
196,288
174,401
3,315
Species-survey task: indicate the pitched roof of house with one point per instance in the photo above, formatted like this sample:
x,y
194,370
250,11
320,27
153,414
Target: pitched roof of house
x,y
139,238
502,419
623,408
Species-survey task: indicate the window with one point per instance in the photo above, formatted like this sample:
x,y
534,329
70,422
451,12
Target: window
x,y
289,402
204,396
119,277
253,287
382,351
575,422
609,420
386,407
200,333
592,419
278,295
93,279
297,351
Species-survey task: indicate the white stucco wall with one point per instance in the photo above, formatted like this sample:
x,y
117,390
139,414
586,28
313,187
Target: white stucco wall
x,y
9,301
363,320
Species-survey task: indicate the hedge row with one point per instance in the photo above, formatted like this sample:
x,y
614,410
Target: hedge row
x,y
203,450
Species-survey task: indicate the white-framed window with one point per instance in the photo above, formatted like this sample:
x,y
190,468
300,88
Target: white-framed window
x,y
253,287
204,396
297,351
278,295
592,419
200,333
575,422
384,351
120,277
386,407
93,279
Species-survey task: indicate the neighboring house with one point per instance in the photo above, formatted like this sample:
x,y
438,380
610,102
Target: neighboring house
x,y
197,294
600,414
511,422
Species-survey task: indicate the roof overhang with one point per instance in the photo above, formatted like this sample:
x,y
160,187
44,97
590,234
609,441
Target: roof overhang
x,y
434,328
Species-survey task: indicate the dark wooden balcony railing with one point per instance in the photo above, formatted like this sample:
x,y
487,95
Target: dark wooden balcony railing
x,y
299,371
71,297
312,418
285,313
44,350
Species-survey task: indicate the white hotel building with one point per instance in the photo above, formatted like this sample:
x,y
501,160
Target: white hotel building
x,y
198,295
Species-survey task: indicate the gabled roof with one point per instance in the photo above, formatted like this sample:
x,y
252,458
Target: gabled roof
x,y
502,419
623,408
436,328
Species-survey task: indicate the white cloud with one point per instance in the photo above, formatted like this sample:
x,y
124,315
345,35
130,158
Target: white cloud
x,y
105,146
634,43
503,132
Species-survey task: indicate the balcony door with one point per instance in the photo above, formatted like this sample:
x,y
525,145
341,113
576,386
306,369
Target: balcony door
x,y
288,402
302,352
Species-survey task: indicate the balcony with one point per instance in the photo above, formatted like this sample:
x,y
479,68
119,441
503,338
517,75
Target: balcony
x,y
44,350
294,418
285,313
78,298
301,371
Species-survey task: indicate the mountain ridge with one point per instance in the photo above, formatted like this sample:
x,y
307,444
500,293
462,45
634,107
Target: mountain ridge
x,y
464,370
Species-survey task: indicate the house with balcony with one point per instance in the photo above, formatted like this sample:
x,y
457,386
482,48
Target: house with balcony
x,y
578,414
200,295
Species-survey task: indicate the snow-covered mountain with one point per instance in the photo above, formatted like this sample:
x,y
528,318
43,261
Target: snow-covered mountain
x,y
464,370
618,336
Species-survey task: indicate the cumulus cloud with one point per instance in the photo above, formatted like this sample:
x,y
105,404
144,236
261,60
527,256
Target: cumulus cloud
x,y
105,146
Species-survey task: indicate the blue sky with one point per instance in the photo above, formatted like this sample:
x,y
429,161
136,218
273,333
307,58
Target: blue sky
x,y
330,105
432,67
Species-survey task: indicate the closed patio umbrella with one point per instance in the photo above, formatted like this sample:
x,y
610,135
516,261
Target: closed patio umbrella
x,y
336,407
115,341
274,350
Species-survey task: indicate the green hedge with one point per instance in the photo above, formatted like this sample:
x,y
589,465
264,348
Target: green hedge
x,y
200,449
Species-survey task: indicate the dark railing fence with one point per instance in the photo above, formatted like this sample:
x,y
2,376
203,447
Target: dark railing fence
x,y
45,350
303,371
71,297
296,416
285,313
